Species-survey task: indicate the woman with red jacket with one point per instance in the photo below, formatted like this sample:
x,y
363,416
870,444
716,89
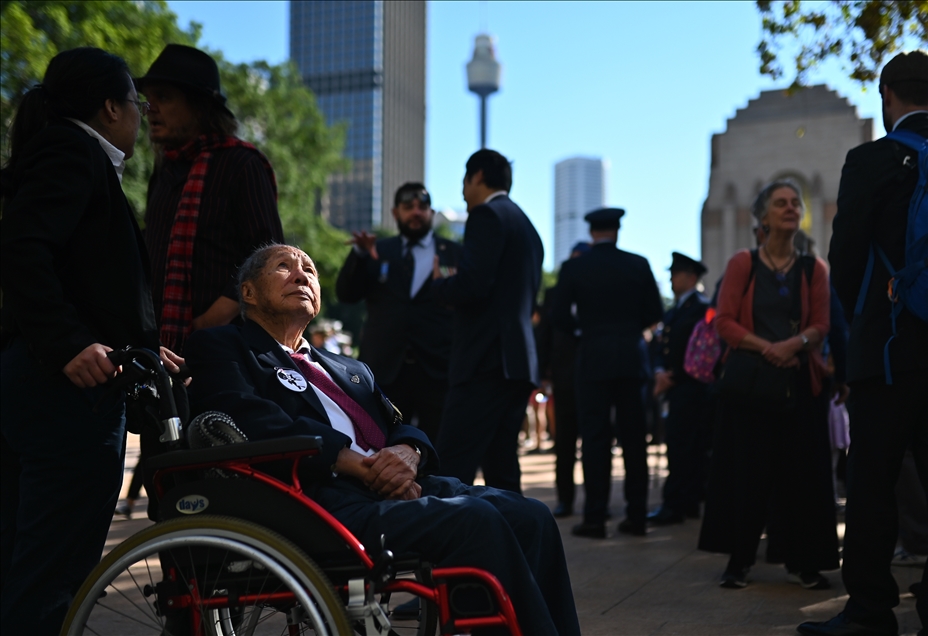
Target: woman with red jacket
x,y
771,465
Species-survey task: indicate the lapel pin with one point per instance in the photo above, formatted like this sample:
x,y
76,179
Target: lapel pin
x,y
291,379
356,379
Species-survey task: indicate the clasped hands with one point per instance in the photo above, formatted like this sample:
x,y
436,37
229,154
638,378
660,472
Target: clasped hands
x,y
390,472
783,354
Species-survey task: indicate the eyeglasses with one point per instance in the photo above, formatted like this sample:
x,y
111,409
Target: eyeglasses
x,y
143,107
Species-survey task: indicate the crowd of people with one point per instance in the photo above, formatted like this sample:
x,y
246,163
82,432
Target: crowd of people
x,y
755,381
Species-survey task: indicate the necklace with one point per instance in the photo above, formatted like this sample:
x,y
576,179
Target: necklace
x,y
780,272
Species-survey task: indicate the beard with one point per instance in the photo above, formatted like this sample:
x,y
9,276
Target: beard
x,y
414,233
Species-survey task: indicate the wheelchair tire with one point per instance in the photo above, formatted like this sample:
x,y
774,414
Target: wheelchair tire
x,y
127,593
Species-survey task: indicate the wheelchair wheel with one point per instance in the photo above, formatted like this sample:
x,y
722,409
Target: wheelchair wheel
x,y
209,576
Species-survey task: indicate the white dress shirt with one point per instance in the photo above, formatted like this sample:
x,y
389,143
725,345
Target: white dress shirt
x,y
117,156
423,254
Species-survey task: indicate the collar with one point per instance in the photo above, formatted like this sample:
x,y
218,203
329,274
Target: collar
x,y
426,241
685,297
906,116
117,156
498,193
304,348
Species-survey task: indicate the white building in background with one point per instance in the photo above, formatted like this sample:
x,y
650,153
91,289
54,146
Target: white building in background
x,y
579,187
803,137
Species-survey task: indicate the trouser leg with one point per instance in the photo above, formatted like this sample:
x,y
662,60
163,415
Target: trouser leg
x,y
884,421
71,462
594,405
913,508
565,440
685,446
500,461
632,428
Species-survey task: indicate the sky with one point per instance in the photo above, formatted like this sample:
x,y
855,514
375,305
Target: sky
x,y
642,85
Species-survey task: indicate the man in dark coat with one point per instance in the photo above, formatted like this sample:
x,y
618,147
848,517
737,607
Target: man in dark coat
x,y
373,471
494,364
686,426
406,339
212,198
877,184
616,298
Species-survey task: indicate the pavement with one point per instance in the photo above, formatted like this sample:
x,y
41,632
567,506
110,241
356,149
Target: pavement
x,y
659,583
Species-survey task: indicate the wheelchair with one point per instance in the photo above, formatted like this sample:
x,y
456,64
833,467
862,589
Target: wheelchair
x,y
224,559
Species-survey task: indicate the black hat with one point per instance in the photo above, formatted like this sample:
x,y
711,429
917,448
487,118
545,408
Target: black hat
x,y
189,68
683,263
604,218
905,67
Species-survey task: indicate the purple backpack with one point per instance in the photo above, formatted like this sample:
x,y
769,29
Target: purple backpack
x,y
703,349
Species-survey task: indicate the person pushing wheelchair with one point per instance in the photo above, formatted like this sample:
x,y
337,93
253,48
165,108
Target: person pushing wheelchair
x,y
374,473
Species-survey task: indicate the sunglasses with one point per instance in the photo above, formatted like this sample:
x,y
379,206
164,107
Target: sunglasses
x,y
415,195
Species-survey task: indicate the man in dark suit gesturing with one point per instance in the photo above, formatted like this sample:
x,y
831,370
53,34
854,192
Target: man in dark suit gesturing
x,y
372,472
494,364
616,298
406,339
887,416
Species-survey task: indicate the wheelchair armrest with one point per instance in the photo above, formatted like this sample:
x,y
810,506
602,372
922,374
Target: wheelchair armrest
x,y
255,452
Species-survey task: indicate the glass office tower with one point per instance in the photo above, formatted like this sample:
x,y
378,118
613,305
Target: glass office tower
x,y
579,187
365,61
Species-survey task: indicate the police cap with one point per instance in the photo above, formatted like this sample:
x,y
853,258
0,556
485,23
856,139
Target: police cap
x,y
683,263
604,218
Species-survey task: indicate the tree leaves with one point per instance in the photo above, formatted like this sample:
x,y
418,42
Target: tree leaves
x,y
863,35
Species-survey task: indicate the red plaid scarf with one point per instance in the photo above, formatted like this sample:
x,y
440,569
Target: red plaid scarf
x,y
177,308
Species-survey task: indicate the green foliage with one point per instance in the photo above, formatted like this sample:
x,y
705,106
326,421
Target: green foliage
x,y
863,35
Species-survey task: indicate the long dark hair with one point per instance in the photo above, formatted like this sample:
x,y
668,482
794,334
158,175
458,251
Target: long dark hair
x,y
77,84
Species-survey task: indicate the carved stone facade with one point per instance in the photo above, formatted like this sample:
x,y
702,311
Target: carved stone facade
x,y
804,137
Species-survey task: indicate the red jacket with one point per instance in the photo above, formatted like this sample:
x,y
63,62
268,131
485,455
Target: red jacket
x,y
735,318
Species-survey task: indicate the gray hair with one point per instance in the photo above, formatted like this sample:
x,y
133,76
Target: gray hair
x,y
759,209
253,266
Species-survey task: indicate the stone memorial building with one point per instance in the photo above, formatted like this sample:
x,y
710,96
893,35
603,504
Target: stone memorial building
x,y
804,137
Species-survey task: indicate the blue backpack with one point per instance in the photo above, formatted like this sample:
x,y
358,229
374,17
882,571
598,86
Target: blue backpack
x,y
908,287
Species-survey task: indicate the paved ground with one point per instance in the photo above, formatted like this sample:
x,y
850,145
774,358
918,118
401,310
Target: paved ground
x,y
660,584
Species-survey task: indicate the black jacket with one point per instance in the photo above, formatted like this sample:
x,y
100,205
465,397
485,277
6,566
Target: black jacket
x,y
616,298
74,267
873,203
235,370
493,294
675,334
395,322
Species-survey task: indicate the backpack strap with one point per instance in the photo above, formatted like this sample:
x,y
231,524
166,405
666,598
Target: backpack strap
x,y
908,138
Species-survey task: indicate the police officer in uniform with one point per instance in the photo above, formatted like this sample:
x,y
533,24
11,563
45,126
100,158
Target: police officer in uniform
x,y
686,424
616,298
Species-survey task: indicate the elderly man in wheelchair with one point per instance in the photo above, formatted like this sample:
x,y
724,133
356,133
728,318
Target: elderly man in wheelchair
x,y
371,474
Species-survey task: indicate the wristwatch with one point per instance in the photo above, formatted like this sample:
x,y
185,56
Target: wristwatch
x,y
805,340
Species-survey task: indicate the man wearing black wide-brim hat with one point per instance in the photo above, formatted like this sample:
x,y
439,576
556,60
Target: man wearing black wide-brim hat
x,y
686,427
616,298
211,200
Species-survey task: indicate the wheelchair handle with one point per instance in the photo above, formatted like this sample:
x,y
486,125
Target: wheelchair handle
x,y
140,362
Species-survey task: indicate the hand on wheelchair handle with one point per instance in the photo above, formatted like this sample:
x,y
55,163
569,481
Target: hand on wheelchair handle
x,y
91,367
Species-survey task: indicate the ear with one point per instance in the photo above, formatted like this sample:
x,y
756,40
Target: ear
x,y
395,214
110,111
248,293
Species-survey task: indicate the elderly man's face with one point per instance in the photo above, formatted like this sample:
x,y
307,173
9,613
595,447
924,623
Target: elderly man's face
x,y
287,286
171,119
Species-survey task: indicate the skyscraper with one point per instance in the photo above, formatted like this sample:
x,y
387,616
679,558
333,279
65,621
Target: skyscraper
x,y
365,61
579,187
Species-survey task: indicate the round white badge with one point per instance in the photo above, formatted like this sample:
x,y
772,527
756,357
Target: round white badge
x,y
291,379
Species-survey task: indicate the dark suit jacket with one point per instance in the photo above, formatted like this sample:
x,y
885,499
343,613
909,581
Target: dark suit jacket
x,y
873,203
74,267
617,298
235,371
675,334
493,294
395,321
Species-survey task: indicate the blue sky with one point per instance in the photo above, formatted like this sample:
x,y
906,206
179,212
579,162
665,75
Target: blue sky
x,y
643,85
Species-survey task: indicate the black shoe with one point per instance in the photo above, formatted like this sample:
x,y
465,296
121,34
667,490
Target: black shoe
x,y
841,625
664,516
636,528
124,510
591,530
561,510
916,589
408,611
808,580
735,579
